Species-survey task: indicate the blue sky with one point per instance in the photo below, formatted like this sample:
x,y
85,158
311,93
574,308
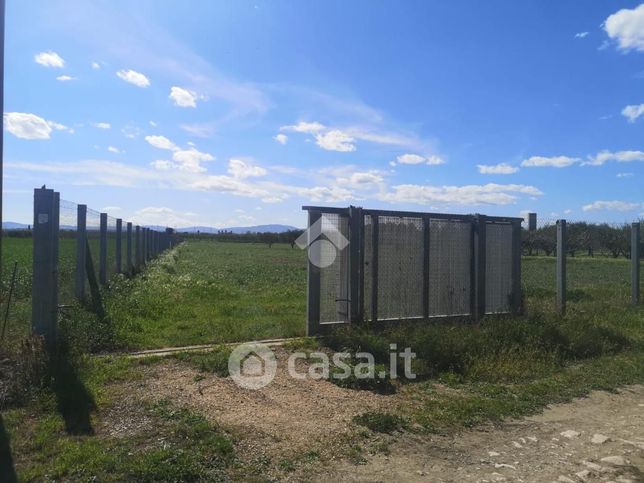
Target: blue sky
x,y
238,113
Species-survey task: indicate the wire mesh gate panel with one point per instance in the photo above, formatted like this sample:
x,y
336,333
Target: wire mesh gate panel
x,y
409,266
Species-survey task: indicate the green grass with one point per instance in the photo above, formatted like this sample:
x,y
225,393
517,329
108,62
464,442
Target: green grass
x,y
211,292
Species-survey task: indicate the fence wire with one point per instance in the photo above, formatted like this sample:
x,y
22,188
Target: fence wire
x,y
67,251
450,264
598,265
400,267
334,273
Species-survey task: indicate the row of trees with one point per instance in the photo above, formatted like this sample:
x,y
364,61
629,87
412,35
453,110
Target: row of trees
x,y
269,238
587,238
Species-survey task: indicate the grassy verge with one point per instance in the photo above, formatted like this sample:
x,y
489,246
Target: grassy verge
x,y
210,292
118,440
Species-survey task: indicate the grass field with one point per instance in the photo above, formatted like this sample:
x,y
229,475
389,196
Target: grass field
x,y
209,292
206,291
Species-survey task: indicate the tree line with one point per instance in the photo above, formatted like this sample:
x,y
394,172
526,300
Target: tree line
x,y
589,239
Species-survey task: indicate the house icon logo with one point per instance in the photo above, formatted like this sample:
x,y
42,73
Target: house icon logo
x,y
252,366
323,241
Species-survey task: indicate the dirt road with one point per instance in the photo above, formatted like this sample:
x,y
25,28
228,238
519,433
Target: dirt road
x,y
598,438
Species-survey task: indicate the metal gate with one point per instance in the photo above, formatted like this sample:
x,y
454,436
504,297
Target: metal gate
x,y
379,265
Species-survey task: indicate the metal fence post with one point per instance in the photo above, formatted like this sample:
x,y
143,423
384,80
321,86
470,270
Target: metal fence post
x,y
128,249
313,274
355,271
635,262
102,259
375,250
137,238
81,250
119,248
426,242
479,251
44,293
561,266
516,268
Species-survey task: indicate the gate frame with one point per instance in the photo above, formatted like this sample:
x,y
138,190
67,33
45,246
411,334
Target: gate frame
x,y
356,276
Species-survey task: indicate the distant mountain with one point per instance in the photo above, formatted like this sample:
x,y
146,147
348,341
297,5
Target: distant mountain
x,y
239,229
11,225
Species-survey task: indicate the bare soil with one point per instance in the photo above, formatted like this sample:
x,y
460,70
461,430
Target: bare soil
x,y
303,430
556,445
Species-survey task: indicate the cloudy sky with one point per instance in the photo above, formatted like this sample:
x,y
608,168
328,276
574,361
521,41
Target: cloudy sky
x,y
235,113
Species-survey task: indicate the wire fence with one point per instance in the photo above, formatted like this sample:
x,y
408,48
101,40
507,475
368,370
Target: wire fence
x,y
60,256
600,264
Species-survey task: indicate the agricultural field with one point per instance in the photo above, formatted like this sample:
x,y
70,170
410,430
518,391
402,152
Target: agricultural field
x,y
120,418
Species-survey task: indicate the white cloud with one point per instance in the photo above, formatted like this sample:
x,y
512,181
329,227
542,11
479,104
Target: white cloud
x,y
108,209
619,156
153,124
29,126
612,206
191,159
553,162
102,125
161,142
162,164
494,194
581,35
131,131
335,141
627,27
114,150
305,127
414,159
632,112
241,169
133,77
96,65
163,216
362,179
65,78
624,175
200,130
281,138
49,59
501,168
183,97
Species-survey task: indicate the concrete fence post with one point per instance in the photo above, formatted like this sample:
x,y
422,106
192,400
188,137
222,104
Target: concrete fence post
x,y
102,258
119,247
44,293
635,262
81,250
138,248
532,221
128,249
561,266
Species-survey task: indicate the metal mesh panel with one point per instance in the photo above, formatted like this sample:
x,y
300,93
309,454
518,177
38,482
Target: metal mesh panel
x,y
334,277
498,268
67,251
450,263
368,263
400,267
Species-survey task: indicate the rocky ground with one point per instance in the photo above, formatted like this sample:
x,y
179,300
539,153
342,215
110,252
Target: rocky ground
x,y
598,438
